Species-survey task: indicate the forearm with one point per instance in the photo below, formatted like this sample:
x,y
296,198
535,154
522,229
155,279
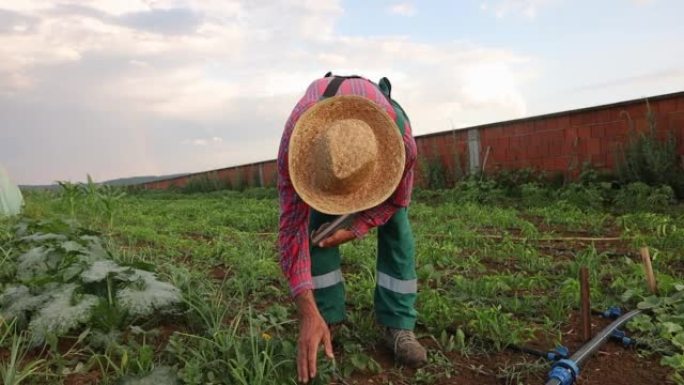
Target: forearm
x,y
306,304
374,217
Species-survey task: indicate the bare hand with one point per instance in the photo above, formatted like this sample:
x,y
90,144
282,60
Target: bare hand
x,y
337,238
313,332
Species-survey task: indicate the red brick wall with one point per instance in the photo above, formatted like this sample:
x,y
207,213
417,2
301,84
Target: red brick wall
x,y
563,142
449,148
558,143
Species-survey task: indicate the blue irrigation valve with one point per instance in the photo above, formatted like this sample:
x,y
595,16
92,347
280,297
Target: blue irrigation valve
x,y
565,372
621,336
613,312
559,353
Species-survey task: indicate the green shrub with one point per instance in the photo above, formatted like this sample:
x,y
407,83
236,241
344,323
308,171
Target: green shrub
x,y
433,173
534,194
205,183
585,196
512,180
639,196
650,160
477,190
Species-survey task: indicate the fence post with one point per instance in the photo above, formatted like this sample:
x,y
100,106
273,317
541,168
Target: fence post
x,y
474,150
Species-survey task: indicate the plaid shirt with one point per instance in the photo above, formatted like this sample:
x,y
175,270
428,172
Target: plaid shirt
x,y
293,237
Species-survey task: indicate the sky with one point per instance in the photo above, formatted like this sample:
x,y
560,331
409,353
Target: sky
x,y
118,88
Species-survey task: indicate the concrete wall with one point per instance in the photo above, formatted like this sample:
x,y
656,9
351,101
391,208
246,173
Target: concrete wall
x,y
557,143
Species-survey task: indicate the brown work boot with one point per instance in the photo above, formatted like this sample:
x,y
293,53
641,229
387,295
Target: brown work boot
x,y
406,348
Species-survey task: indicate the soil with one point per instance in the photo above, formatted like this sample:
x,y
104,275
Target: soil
x,y
219,272
165,333
612,364
567,249
90,378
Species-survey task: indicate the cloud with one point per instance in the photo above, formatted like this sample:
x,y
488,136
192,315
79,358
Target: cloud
x,y
667,76
124,87
166,21
15,22
403,9
503,8
203,141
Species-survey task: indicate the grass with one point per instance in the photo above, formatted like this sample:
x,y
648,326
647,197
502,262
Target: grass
x,y
487,279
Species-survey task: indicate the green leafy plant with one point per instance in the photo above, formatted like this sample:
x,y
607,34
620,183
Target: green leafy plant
x,y
433,173
70,193
109,196
648,159
640,196
64,280
205,183
499,262
158,376
242,352
18,368
663,325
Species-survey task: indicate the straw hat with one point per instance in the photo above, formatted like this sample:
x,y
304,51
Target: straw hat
x,y
346,155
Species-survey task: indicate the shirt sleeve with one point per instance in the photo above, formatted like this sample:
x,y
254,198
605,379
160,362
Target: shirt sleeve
x,y
379,215
293,237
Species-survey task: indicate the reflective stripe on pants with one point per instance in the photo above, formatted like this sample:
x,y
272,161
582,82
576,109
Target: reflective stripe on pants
x,y
395,292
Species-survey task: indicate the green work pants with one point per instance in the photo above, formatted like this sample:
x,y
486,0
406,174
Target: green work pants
x,y
396,283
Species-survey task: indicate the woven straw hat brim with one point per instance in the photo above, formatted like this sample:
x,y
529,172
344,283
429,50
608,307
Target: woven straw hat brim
x,y
384,178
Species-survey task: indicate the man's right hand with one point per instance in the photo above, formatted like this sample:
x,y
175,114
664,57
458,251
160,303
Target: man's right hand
x,y
313,331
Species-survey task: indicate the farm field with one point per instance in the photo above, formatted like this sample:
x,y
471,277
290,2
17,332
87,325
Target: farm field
x,y
495,269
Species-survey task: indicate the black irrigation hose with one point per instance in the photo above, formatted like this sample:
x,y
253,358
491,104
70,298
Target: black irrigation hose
x,y
523,349
590,347
565,372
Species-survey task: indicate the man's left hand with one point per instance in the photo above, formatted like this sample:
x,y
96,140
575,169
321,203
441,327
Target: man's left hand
x,y
339,237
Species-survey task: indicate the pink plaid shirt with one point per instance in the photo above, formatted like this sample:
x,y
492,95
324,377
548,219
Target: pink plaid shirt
x,y
293,237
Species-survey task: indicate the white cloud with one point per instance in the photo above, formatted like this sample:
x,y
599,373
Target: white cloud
x,y
215,140
216,91
403,9
503,8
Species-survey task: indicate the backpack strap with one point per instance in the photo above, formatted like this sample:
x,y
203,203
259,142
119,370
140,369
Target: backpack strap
x,y
333,86
401,118
385,87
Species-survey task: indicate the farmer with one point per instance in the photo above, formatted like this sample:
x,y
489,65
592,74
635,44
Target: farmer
x,y
347,148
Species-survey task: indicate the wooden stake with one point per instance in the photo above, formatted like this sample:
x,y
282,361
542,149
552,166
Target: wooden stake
x,y
484,163
648,268
585,308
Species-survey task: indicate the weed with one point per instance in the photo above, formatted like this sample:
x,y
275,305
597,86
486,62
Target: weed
x,y
18,368
484,261
434,173
649,159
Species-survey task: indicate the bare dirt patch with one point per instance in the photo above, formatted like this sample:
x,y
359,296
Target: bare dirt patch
x,y
91,378
612,364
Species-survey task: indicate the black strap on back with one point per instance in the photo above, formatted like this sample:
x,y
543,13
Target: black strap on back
x,y
335,83
333,86
385,87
